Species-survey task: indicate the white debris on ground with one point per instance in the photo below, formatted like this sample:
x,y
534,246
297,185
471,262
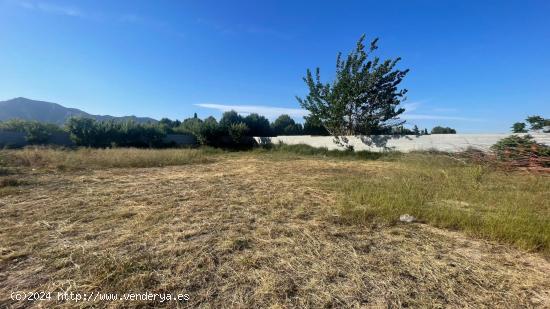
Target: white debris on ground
x,y
407,218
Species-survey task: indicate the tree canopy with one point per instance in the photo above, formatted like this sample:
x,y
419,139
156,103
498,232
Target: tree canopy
x,y
519,127
364,98
285,125
443,130
537,122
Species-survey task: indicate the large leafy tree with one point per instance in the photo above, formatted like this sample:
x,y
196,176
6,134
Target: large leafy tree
x,y
364,98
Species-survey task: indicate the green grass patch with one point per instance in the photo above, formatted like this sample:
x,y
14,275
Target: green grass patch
x,y
512,207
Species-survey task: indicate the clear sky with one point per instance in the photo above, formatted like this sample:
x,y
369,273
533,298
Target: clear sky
x,y
477,66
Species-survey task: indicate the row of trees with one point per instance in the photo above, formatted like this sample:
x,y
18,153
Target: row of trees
x,y
364,99
232,130
233,124
35,132
400,130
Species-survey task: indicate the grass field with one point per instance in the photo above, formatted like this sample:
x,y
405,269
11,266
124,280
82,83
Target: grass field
x,y
284,227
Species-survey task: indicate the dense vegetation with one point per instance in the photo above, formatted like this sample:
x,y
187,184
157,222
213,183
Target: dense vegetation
x,y
35,132
232,131
443,130
522,151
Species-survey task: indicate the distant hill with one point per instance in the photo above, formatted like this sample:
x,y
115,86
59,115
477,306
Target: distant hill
x,y
27,109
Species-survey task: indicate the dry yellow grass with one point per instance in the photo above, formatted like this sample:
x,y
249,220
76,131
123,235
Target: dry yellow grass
x,y
243,231
90,158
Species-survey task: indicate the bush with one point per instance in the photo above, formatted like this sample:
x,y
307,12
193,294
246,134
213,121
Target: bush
x,y
522,151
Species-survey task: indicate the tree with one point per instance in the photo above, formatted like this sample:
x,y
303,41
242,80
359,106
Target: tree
x,y
285,125
519,127
191,125
257,125
363,99
229,118
443,130
313,126
168,125
538,122
425,131
237,131
82,131
400,130
209,132
416,131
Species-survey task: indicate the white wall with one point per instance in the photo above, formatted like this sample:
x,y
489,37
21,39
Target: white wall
x,y
441,142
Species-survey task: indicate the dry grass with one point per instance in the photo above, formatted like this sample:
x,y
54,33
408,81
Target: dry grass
x,y
40,157
244,231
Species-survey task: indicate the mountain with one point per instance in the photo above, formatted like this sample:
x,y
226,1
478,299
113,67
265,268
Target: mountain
x,y
27,109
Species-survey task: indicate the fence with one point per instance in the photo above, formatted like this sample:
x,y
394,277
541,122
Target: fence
x,y
406,143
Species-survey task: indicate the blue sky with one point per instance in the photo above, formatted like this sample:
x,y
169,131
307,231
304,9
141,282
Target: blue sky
x,y
477,66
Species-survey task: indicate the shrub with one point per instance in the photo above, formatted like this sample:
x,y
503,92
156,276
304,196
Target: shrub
x,y
522,151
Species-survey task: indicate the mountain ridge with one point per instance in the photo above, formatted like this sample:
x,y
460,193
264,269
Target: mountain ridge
x,y
28,109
